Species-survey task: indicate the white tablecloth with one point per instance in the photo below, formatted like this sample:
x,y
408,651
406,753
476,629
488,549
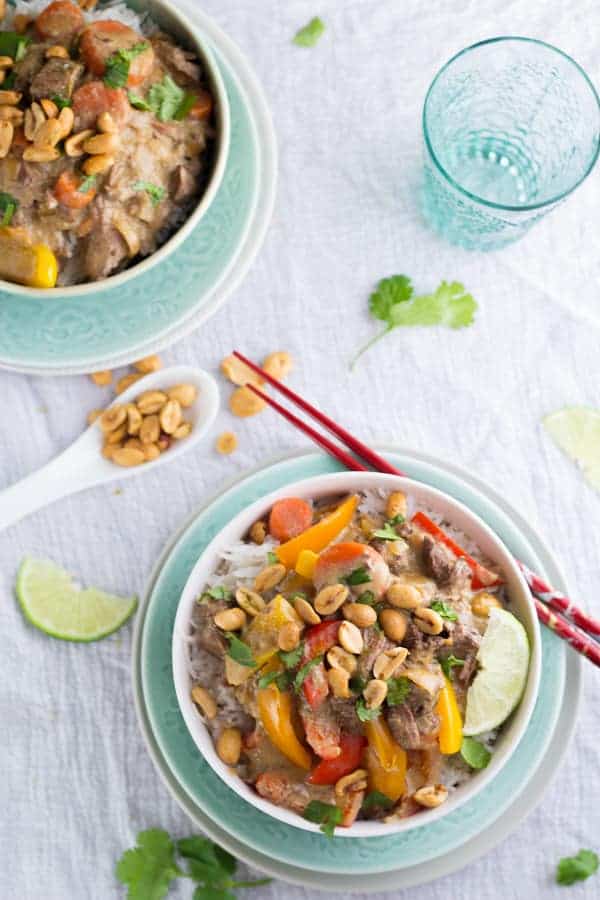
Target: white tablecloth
x,y
76,781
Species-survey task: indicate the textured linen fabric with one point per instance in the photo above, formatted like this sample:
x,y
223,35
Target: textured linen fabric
x,y
77,783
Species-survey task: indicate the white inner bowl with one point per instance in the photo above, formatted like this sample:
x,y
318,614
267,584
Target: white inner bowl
x,y
423,496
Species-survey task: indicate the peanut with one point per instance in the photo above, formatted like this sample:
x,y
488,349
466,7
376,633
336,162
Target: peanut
x,y
150,430
112,418
482,603
306,611
338,680
258,532
126,381
396,505
251,602
243,403
278,364
388,662
375,693
170,416
330,598
151,402
230,619
239,373
269,577
205,701
338,658
404,596
350,638
288,637
148,363
185,394
355,781
428,621
226,444
127,456
393,624
229,746
431,795
362,615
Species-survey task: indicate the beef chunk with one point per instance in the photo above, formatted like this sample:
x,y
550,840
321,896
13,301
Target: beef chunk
x,y
58,77
180,62
345,713
403,726
321,728
183,184
208,635
105,251
28,67
374,643
460,577
438,560
465,645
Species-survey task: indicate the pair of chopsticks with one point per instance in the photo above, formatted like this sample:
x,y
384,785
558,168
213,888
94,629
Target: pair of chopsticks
x,y
554,610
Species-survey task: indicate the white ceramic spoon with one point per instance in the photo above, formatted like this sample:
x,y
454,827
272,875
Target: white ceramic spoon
x,y
82,465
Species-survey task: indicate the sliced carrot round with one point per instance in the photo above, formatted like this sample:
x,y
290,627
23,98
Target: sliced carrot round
x,y
66,191
202,107
103,38
59,22
94,98
289,518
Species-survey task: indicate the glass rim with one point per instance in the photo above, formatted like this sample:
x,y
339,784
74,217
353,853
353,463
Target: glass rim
x,y
489,203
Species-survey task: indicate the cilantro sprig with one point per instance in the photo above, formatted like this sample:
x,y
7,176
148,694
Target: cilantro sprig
x,y
324,814
119,63
310,34
305,671
154,191
444,610
8,207
394,304
377,800
450,662
358,576
149,868
240,652
398,690
218,592
577,868
365,714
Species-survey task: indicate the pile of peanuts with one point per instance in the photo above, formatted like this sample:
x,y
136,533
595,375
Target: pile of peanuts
x,y
45,126
138,432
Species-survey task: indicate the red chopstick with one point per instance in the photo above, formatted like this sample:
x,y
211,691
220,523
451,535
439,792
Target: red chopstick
x,y
581,640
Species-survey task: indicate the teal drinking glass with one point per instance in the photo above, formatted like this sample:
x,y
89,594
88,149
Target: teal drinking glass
x,y
511,128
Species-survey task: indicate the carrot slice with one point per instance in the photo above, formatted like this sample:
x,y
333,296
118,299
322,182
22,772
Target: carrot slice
x,y
59,22
94,98
66,191
289,518
202,107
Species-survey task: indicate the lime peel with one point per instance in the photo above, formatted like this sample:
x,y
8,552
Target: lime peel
x,y
52,602
576,430
498,686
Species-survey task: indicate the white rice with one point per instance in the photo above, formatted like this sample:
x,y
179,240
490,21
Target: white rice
x,y
240,563
113,10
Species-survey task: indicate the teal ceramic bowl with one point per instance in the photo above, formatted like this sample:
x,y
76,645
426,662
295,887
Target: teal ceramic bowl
x,y
252,826
172,22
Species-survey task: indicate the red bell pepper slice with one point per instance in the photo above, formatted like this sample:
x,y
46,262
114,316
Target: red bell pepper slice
x,y
329,771
319,639
482,577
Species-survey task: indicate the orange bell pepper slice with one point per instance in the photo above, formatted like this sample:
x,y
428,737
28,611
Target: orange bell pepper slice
x,y
275,711
386,760
318,536
450,733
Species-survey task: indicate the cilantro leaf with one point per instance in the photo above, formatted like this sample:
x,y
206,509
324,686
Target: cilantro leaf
x,y
138,102
156,193
60,101
165,99
367,597
389,292
325,815
13,44
305,670
281,679
474,753
387,533
377,800
87,184
118,65
357,684
8,207
217,593
150,867
364,714
398,690
185,106
450,662
291,658
449,305
272,558
310,34
393,303
358,576
444,610
577,868
240,652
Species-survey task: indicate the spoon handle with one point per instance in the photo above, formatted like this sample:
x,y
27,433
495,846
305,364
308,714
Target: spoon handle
x,y
59,478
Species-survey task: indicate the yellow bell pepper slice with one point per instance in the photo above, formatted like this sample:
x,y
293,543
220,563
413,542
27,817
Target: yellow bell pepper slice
x,y
275,712
306,562
318,536
386,760
450,734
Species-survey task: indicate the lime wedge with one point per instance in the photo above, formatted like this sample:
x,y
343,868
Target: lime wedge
x,y
503,659
576,430
53,603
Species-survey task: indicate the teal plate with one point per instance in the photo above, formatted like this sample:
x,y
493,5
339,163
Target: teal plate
x,y
260,831
84,333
